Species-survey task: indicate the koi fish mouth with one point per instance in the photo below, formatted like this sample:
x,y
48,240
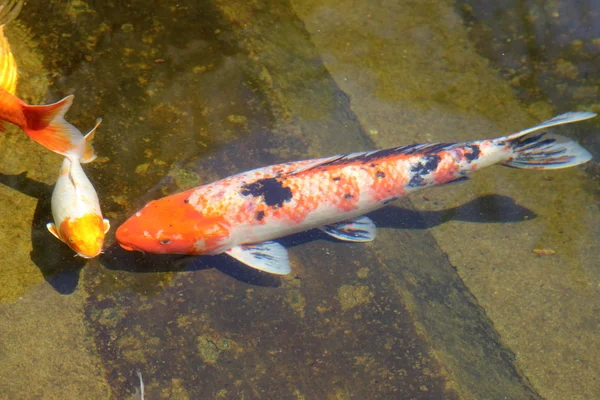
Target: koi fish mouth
x,y
127,247
86,256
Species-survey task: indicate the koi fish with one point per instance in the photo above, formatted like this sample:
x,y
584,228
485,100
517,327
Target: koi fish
x,y
241,215
77,216
9,10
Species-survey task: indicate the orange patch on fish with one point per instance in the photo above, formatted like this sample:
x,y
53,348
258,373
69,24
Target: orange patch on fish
x,y
387,181
85,234
447,169
175,220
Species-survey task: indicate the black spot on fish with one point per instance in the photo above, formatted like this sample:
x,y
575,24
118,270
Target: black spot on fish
x,y
272,191
424,167
520,142
337,178
373,165
474,154
348,196
186,201
543,143
416,181
380,174
165,241
260,215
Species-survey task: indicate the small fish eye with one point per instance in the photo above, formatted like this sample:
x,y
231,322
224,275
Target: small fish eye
x,y
71,240
165,241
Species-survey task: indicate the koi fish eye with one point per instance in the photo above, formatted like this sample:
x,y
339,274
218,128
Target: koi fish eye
x,y
165,241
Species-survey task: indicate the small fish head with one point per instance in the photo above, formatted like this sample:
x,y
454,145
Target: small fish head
x,y
85,234
172,226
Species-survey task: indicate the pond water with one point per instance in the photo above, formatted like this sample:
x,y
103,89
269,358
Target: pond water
x,y
452,300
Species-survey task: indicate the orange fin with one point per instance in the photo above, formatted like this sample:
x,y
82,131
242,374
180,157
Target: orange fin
x,y
47,126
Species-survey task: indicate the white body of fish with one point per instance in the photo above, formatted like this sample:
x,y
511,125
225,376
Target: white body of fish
x,y
73,196
76,210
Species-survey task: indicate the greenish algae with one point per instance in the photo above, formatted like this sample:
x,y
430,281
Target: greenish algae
x,y
210,347
352,296
294,297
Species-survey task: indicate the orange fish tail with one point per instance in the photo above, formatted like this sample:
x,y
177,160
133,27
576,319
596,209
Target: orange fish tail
x,y
47,126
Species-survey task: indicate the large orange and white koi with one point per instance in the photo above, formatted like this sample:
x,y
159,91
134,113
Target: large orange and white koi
x,y
241,215
76,210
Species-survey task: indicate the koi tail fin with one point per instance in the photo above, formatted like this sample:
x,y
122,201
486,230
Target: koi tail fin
x,y
532,149
47,126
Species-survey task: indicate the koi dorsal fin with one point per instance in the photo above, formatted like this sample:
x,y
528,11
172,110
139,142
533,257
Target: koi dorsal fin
x,y
375,155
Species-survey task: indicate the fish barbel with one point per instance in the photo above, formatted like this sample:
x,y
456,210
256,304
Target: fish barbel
x,y
241,215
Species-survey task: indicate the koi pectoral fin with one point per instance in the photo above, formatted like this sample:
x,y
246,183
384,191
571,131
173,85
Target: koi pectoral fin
x,y
52,229
360,229
265,256
106,225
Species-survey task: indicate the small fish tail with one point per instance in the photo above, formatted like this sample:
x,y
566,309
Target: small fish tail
x,y
47,126
532,149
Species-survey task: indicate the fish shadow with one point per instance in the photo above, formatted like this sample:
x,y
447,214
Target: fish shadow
x,y
484,209
56,261
115,258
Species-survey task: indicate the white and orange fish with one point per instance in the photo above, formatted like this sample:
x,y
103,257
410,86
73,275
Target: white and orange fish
x,y
76,210
241,215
